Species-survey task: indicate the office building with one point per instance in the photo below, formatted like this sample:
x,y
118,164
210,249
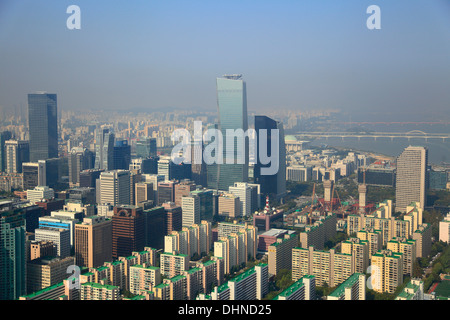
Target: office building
x,y
173,217
12,254
190,206
183,189
93,241
199,169
166,191
40,193
411,180
60,237
121,155
232,109
47,271
88,178
274,183
229,205
244,192
146,148
299,173
43,126
104,149
41,249
143,192
154,227
128,227
115,187
4,136
80,159
17,152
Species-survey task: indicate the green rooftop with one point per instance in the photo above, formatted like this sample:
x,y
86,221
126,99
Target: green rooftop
x,y
99,285
44,290
340,290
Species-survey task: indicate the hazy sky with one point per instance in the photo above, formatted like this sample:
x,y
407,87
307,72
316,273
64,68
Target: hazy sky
x,y
167,53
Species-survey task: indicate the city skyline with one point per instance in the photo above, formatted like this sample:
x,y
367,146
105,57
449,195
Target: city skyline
x,y
135,56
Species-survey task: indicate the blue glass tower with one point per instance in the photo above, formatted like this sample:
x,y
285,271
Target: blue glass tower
x,y
43,126
232,108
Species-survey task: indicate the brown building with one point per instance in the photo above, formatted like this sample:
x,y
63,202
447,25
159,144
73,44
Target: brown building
x,y
183,189
128,227
229,205
166,191
143,192
51,205
93,241
173,217
39,249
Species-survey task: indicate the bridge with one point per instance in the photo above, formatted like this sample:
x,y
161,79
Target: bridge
x,y
414,134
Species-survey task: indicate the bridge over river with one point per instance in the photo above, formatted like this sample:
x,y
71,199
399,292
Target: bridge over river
x,y
415,134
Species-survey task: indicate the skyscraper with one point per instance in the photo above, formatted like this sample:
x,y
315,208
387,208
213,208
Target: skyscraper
x,y
104,149
12,254
146,148
5,135
274,184
121,155
43,126
17,152
115,187
79,159
411,183
128,231
232,108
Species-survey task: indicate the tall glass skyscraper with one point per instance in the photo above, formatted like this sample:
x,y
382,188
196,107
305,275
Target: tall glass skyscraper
x,y
232,107
104,149
12,254
43,126
274,184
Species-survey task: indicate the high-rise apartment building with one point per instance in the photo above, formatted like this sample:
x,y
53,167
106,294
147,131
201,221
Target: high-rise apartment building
x,y
43,126
280,253
360,251
327,266
387,271
407,247
444,229
411,179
